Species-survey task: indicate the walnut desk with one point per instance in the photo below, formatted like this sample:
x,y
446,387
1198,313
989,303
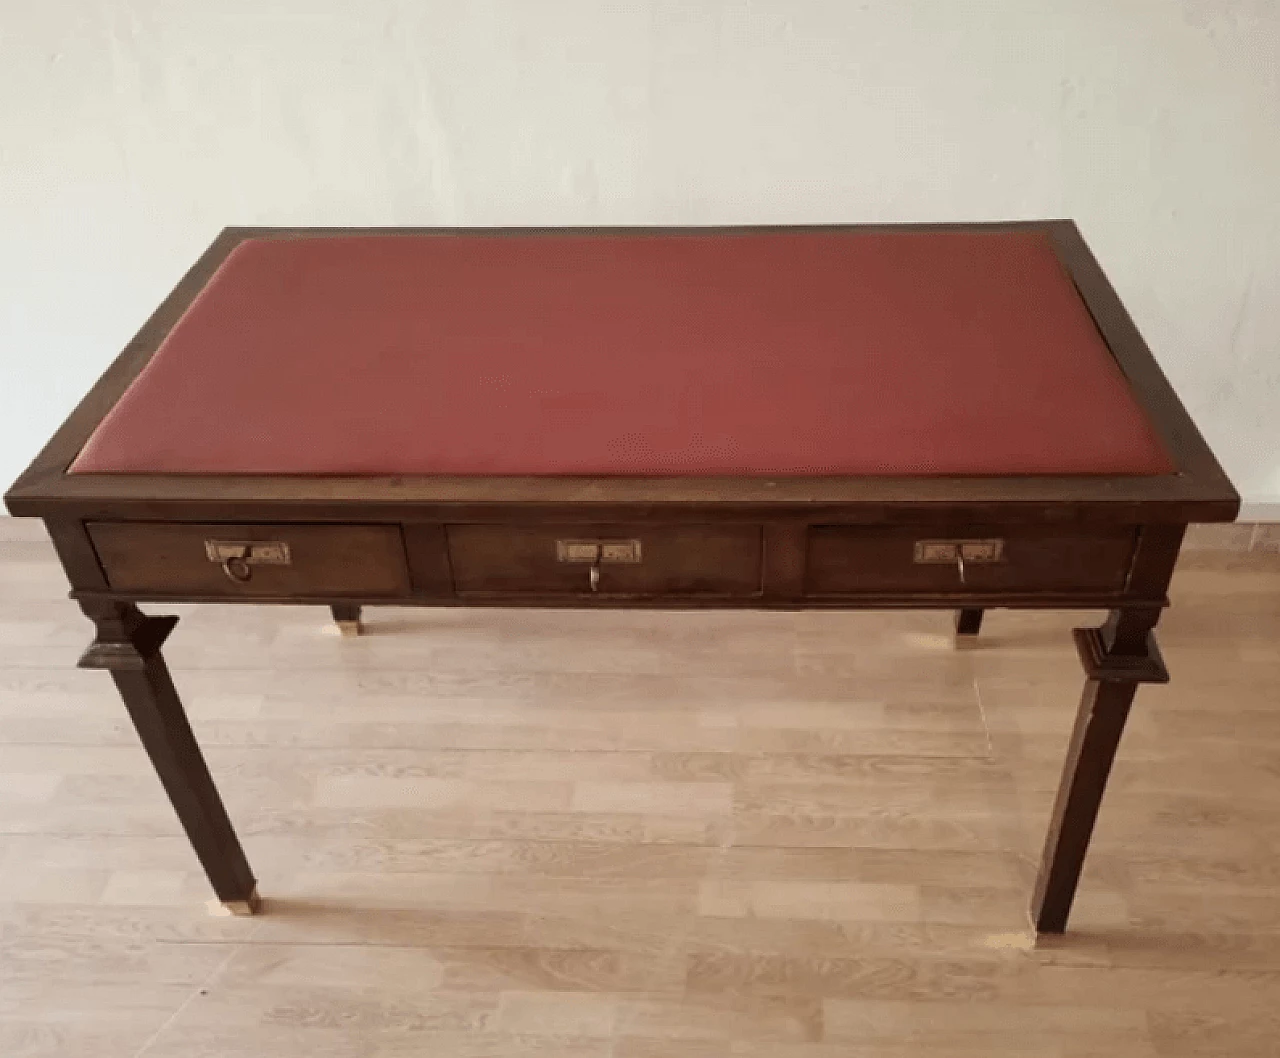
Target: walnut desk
x,y
947,416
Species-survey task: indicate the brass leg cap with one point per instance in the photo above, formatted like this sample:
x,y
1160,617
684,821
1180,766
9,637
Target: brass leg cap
x,y
350,628
224,908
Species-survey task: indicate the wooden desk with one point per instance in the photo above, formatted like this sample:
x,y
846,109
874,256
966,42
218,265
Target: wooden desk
x,y
948,417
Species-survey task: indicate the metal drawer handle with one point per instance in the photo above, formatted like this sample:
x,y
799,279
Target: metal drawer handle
x,y
959,552
598,553
237,569
238,557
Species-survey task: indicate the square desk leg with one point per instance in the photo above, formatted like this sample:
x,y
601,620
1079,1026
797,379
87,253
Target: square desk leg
x,y
1116,658
347,618
128,646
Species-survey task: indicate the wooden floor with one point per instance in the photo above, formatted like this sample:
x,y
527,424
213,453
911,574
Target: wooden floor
x,y
640,835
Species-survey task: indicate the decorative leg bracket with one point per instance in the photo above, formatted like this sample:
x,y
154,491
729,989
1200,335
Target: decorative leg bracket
x,y
1100,665
124,644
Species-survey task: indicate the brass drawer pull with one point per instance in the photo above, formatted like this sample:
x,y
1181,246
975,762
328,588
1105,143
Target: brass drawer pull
x,y
606,552
597,553
237,569
238,557
960,553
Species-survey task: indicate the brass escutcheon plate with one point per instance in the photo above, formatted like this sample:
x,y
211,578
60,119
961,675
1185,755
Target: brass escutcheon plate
x,y
250,552
949,552
602,552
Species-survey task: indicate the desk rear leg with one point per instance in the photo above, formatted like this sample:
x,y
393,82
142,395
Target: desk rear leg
x,y
347,618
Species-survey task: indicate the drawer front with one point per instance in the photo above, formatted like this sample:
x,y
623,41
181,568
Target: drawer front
x,y
685,560
252,560
848,560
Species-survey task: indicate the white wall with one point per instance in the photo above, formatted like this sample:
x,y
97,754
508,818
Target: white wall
x,y
132,130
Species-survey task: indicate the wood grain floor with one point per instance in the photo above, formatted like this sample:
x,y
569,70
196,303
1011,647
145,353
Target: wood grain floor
x,y
641,835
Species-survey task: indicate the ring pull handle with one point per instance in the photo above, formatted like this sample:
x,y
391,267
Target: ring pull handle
x,y
237,567
595,577
238,557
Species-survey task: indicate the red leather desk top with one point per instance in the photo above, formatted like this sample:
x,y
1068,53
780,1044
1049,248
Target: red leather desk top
x,y
840,352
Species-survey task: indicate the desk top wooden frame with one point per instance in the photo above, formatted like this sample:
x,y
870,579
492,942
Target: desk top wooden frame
x,y
1116,657
1200,491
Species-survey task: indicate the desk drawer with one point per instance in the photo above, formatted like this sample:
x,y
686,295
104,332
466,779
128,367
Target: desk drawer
x,y
848,560
710,560
274,560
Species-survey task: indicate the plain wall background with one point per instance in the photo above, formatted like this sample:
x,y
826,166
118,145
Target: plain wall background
x,y
132,130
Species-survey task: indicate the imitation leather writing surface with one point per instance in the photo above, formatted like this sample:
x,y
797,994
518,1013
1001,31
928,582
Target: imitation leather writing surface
x,y
753,353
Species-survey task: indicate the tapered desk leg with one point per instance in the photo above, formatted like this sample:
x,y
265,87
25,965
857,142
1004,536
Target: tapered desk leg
x,y
347,617
1117,657
128,646
968,622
